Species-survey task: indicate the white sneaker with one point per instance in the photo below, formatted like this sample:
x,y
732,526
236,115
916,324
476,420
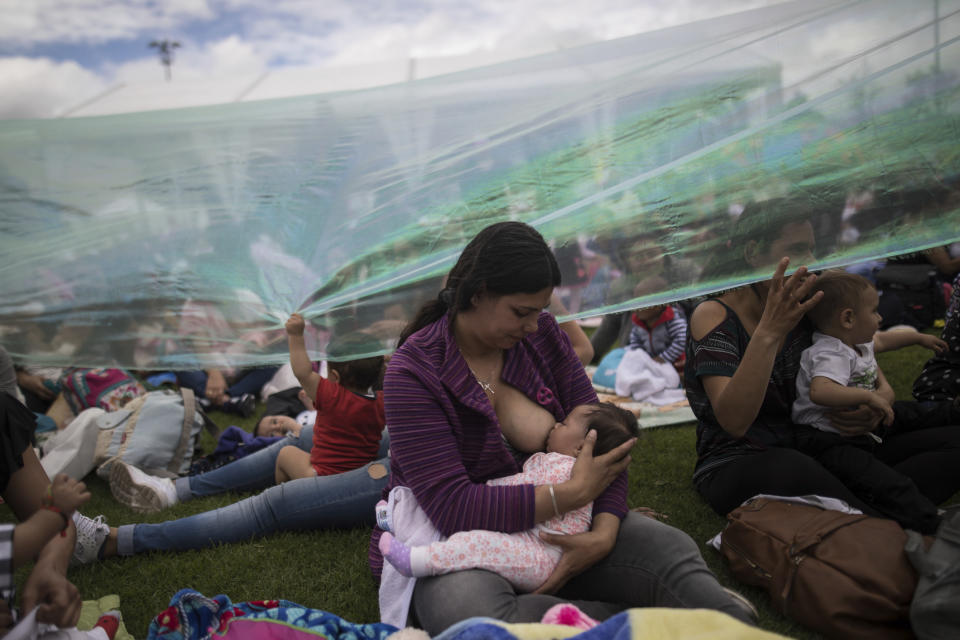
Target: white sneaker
x,y
140,491
91,534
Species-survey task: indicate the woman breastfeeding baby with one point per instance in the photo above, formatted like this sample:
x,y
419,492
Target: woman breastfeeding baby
x,y
524,558
481,364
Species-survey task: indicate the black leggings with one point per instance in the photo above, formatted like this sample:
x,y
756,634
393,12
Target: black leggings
x,y
929,457
776,471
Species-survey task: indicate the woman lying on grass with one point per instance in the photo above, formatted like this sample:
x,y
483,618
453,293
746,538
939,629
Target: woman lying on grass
x,y
481,363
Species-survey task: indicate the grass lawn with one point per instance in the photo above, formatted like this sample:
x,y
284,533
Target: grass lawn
x,y
328,569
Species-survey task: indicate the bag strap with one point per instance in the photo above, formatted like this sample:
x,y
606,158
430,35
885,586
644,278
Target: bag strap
x,y
815,530
190,405
186,429
208,424
211,427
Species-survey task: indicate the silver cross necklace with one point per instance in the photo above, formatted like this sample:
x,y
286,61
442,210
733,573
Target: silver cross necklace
x,y
486,386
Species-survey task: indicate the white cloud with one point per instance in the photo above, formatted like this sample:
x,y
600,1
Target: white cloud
x,y
29,22
352,31
297,32
232,55
42,88
355,32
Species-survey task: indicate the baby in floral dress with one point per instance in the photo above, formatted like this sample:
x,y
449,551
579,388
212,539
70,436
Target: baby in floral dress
x,y
522,558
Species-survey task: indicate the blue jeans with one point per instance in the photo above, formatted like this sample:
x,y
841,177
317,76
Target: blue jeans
x,y
250,381
252,472
325,502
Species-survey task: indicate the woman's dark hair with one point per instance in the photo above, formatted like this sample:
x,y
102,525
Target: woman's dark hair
x,y
762,222
357,373
614,426
503,259
256,427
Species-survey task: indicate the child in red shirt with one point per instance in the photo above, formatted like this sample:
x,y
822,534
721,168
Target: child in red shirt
x,y
350,418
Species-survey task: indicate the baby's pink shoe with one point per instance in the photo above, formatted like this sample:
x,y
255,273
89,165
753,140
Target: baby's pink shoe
x,y
568,615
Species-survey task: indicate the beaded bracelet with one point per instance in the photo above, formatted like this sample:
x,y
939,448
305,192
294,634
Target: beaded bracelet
x,y
553,498
47,499
66,520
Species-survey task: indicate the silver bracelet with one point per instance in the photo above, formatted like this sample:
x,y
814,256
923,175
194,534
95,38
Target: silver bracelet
x,y
553,498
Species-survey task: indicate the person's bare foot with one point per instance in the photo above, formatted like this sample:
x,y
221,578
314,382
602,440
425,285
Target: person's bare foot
x,y
306,400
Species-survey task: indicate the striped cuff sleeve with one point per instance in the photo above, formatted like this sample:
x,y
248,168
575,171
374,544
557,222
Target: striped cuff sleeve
x,y
6,556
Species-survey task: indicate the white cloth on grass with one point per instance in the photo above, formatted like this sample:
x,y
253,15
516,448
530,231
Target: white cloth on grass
x,y
644,379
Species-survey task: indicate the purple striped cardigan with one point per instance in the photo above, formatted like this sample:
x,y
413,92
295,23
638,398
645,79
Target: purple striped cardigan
x,y
445,439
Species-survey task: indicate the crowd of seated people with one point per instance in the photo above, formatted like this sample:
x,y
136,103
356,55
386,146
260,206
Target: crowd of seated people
x,y
483,374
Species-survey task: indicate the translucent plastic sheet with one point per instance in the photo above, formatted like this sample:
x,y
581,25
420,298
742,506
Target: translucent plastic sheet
x,y
184,238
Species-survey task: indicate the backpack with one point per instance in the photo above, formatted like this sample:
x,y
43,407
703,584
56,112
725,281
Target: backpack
x,y
935,612
156,433
846,576
916,287
107,389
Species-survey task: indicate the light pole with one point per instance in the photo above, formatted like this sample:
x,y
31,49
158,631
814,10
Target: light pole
x,y
165,50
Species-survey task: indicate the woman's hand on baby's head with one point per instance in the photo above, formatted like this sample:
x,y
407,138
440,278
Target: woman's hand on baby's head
x,y
595,473
619,454
68,494
295,325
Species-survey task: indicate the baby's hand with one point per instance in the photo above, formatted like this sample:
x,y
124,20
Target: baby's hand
x,y
879,404
295,325
67,494
933,343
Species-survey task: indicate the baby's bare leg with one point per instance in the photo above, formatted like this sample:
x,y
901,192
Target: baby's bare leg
x,y
306,400
292,463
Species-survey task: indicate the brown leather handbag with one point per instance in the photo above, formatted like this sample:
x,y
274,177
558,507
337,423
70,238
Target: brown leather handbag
x,y
846,576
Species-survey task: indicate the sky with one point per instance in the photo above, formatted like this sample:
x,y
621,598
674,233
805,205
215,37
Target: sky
x,y
57,54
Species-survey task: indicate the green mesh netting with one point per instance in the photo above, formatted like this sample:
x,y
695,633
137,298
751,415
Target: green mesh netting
x,y
184,238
